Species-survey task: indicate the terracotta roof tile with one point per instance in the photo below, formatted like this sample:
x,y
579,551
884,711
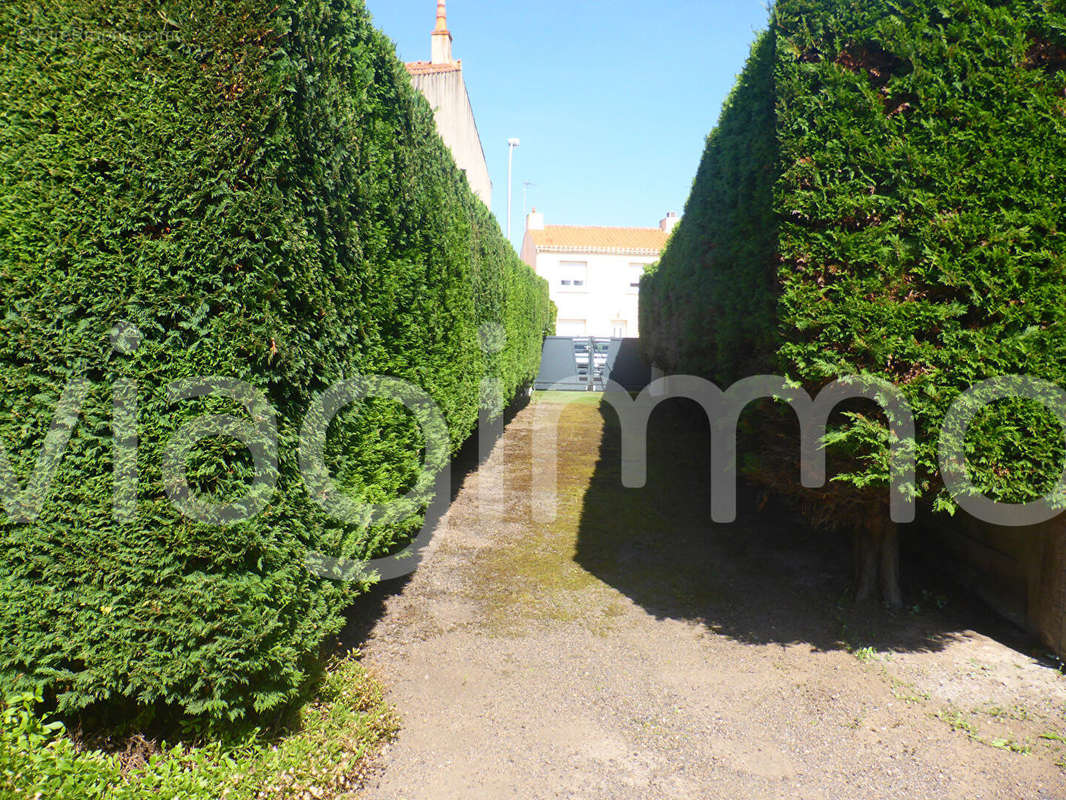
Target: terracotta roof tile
x,y
429,68
569,237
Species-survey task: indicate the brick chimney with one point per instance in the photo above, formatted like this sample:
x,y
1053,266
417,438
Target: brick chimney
x,y
671,221
442,39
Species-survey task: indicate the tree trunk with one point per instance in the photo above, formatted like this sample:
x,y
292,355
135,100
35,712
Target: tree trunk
x,y
877,562
891,594
866,547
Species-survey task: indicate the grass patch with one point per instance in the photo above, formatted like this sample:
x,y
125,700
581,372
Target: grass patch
x,y
964,723
957,721
324,755
866,655
1021,748
569,398
537,577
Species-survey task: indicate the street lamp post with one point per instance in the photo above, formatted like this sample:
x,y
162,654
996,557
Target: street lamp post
x,y
512,145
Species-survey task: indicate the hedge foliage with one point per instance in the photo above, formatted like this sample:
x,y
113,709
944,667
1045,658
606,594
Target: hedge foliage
x,y
884,196
257,188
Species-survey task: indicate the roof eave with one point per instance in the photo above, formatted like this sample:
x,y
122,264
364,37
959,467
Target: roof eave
x,y
610,251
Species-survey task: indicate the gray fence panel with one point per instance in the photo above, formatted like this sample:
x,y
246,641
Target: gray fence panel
x,y
626,365
603,359
558,366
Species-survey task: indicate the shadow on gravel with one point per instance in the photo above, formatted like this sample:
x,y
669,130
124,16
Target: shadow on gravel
x,y
767,579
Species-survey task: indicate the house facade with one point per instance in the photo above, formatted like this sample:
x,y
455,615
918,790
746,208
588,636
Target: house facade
x,y
594,273
440,80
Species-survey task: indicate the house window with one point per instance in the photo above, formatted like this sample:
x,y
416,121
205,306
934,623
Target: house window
x,y
619,328
633,276
571,327
574,275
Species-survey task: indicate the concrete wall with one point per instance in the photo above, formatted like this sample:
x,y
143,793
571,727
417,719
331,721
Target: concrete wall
x,y
447,96
606,305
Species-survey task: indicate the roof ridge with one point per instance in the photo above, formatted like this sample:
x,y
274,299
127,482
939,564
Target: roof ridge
x,y
422,67
609,227
599,239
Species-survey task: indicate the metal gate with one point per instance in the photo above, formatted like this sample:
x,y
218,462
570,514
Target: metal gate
x,y
586,364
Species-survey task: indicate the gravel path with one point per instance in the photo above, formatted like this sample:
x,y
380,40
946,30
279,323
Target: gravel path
x,y
630,649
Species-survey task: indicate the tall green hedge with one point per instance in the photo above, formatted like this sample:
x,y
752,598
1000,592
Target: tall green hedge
x,y
707,320
884,195
257,188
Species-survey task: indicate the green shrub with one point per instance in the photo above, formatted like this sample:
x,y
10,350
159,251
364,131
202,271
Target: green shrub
x,y
35,758
324,754
257,187
883,196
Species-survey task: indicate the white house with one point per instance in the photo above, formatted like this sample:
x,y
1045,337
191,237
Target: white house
x,y
594,273
440,80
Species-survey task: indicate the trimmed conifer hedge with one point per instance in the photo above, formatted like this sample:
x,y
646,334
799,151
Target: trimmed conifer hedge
x,y
258,189
884,196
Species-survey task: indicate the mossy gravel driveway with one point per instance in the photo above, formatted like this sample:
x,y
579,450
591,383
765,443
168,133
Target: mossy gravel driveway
x,y
631,649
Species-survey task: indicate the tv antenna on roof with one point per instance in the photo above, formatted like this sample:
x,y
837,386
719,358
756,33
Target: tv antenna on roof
x,y
526,185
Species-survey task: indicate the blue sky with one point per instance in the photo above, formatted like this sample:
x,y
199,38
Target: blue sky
x,y
612,99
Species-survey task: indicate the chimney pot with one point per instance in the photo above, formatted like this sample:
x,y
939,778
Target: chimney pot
x,y
442,38
670,222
